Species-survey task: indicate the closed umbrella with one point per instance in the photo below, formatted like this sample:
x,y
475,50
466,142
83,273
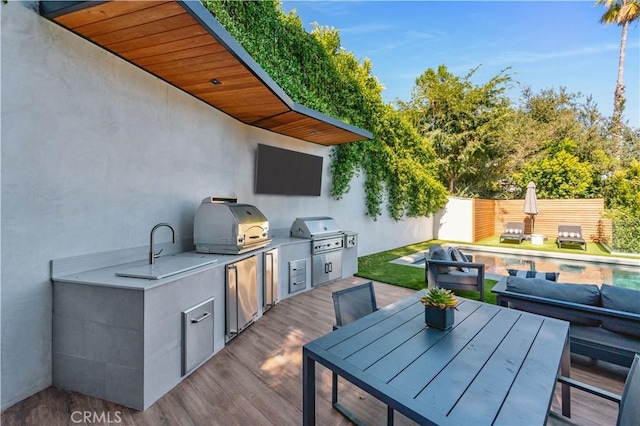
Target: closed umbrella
x,y
530,203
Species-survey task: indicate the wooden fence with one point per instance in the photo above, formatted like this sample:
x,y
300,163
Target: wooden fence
x,y
490,217
484,218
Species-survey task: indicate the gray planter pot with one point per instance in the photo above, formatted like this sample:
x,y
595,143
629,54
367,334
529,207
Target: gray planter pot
x,y
442,319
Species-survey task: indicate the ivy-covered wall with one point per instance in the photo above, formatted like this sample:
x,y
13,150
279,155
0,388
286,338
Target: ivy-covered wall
x,y
314,70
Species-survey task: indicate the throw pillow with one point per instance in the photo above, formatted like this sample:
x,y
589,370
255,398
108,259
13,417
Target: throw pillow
x,y
621,299
457,255
549,276
436,252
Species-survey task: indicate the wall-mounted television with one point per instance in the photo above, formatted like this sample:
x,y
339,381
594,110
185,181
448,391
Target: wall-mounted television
x,y
285,172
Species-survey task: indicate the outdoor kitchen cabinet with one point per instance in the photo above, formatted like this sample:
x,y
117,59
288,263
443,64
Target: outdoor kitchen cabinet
x,y
350,254
125,345
326,267
294,265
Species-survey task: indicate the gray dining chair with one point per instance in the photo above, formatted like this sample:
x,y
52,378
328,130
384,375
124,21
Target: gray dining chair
x,y
629,406
351,304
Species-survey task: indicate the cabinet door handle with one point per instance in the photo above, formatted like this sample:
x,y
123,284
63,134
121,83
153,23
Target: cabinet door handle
x,y
202,317
330,266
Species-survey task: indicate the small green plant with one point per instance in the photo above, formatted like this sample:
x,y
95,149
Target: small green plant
x,y
439,298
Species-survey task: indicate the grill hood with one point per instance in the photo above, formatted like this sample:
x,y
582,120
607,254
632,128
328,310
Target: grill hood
x,y
224,226
314,227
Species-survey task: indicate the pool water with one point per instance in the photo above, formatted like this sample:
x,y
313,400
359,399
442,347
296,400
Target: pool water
x,y
571,271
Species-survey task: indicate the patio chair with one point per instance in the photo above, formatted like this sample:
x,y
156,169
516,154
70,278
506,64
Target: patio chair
x,y
629,409
452,269
513,231
570,233
351,304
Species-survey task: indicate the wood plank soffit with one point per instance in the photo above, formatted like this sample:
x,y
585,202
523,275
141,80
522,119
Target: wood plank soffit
x,y
182,43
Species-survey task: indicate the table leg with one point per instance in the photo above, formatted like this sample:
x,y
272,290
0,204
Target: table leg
x,y
565,370
308,390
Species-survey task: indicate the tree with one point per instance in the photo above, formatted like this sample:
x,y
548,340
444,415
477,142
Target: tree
x,y
542,123
463,121
622,12
622,189
560,175
622,199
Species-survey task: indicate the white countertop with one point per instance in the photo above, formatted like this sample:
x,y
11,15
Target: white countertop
x,y
107,276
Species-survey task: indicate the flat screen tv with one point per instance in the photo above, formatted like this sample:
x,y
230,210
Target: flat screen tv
x,y
285,172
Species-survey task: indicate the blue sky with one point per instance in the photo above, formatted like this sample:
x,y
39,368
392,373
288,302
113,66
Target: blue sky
x,y
547,44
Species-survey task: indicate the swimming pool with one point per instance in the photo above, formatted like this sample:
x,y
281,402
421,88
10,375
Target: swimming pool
x,y
571,270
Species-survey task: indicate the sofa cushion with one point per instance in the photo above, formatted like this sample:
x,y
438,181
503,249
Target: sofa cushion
x,y
436,252
584,294
599,336
457,256
621,299
549,276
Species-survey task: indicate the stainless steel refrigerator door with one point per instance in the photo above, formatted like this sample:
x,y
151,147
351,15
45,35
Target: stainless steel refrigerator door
x,y
270,288
242,295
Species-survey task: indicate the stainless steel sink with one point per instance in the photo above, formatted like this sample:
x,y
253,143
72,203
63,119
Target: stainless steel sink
x,y
166,266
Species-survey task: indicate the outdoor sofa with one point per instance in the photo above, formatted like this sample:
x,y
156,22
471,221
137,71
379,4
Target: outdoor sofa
x,y
513,231
453,270
605,322
570,233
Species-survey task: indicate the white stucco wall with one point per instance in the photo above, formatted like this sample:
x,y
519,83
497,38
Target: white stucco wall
x,y
456,221
95,152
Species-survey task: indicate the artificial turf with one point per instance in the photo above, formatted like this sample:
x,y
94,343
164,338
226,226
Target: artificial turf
x,y
376,267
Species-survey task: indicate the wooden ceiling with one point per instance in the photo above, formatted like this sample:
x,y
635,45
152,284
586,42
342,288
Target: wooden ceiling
x,y
181,43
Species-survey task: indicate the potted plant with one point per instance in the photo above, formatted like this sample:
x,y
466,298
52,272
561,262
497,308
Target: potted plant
x,y
439,304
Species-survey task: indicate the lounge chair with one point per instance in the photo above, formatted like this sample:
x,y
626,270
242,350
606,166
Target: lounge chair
x,y
513,231
570,233
451,269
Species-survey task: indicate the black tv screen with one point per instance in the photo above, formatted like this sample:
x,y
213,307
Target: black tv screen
x,y
285,172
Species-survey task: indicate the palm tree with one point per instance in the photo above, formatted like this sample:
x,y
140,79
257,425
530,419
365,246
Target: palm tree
x,y
622,12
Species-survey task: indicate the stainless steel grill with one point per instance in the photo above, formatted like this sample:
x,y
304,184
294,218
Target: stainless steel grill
x,y
223,226
326,248
322,230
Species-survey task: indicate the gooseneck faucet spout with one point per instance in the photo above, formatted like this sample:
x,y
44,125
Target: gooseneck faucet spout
x,y
152,253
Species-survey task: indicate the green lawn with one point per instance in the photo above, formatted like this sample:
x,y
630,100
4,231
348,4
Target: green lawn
x,y
377,267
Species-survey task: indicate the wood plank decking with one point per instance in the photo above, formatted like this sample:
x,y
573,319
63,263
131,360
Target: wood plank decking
x,y
256,380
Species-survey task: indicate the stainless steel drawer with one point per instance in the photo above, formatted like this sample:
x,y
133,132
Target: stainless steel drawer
x,y
297,275
197,335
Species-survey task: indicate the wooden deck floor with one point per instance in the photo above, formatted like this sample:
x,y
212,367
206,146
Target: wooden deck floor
x,y
256,380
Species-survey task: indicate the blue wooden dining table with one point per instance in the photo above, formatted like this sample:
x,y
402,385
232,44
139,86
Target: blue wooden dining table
x,y
495,366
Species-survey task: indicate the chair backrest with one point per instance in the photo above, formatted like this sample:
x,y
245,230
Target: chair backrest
x,y
353,303
629,413
515,225
570,227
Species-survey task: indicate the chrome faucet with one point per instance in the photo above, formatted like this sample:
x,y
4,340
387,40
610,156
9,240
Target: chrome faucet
x,y
152,253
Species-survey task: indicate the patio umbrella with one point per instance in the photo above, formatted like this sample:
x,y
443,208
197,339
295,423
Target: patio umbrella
x,y
530,203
